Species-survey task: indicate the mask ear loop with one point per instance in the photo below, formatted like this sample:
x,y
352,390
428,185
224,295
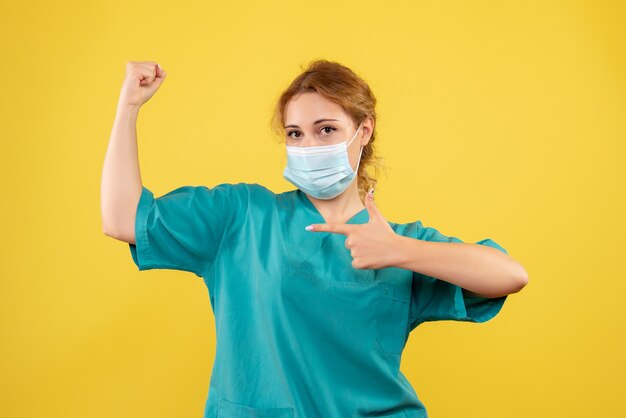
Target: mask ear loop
x,y
357,131
359,161
360,152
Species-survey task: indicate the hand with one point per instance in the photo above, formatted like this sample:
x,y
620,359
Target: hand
x,y
372,245
142,80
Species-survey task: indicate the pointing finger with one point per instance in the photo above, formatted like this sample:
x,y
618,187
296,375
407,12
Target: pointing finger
x,y
331,227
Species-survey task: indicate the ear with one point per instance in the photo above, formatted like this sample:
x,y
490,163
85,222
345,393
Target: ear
x,y
367,129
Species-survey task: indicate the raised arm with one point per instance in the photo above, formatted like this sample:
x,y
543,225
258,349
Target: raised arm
x,y
121,185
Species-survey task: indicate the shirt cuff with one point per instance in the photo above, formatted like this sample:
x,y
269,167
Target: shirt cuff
x,y
140,251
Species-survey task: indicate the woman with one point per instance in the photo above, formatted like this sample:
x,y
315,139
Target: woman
x,y
314,293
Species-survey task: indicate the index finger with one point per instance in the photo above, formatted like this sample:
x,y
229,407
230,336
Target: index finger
x,y
330,227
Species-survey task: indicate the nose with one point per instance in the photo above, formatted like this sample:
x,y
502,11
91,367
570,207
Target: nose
x,y
309,141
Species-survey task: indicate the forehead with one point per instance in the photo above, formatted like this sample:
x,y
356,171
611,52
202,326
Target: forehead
x,y
307,107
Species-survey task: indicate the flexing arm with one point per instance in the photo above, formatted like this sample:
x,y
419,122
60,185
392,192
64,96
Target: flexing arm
x,y
121,184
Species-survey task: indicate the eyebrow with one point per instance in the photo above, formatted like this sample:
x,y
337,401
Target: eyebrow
x,y
314,123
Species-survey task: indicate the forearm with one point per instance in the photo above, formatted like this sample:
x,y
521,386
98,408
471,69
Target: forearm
x,y
121,179
478,268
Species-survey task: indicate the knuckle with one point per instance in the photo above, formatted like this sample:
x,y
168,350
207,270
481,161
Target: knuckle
x,y
356,263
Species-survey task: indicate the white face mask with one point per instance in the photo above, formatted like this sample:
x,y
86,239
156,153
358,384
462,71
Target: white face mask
x,y
323,172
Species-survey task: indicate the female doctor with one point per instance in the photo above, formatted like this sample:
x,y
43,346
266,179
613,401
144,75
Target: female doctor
x,y
314,292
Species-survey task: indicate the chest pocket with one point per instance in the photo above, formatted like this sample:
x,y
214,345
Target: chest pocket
x,y
227,409
394,295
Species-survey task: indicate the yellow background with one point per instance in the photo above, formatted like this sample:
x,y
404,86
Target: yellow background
x,y
497,119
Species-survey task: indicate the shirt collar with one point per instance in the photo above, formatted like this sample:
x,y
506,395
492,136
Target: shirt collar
x,y
360,217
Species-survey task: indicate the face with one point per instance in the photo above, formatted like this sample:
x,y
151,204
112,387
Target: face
x,y
312,120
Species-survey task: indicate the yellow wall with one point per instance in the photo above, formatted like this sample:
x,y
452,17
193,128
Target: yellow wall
x,y
498,119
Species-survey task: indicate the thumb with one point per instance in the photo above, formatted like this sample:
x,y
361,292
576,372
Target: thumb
x,y
156,82
371,207
160,73
160,76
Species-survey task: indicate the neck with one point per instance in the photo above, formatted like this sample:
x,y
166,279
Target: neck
x,y
340,208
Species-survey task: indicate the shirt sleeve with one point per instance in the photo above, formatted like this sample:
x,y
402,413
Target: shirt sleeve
x,y
183,229
433,299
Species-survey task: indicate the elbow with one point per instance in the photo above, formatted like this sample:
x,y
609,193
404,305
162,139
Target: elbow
x,y
517,278
521,280
114,231
119,226
108,230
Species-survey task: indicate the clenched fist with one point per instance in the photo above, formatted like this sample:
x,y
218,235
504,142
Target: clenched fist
x,y
142,80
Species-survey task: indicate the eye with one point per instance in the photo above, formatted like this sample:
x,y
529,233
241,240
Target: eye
x,y
329,127
291,132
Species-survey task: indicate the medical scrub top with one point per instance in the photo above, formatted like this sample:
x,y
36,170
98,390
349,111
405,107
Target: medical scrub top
x,y
300,332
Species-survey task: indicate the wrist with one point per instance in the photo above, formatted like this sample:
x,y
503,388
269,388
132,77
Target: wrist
x,y
127,109
401,251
